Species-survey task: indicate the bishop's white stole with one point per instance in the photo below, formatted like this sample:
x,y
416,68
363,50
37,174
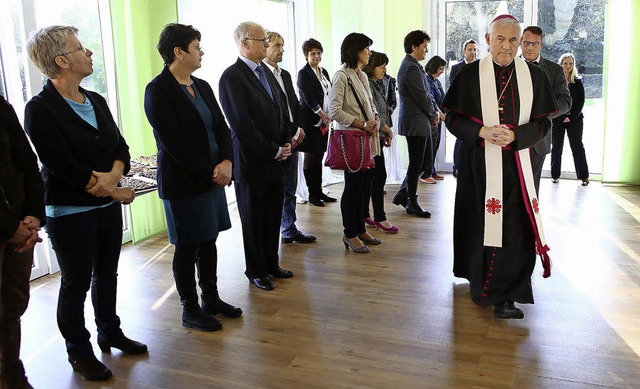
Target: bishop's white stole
x,y
493,159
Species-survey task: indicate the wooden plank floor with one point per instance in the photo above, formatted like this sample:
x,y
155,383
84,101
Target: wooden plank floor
x,y
395,318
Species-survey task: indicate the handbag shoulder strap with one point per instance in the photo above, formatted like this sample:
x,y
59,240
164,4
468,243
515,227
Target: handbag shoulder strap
x,y
353,89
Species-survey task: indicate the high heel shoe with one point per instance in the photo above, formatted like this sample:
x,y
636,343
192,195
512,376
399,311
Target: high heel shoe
x,y
390,230
124,344
362,250
369,222
373,241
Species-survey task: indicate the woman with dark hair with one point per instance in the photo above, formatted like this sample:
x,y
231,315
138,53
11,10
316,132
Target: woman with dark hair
x,y
195,155
83,157
434,68
572,123
351,106
376,68
416,116
314,85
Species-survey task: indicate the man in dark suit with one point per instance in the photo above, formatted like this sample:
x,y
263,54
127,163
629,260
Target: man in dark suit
x,y
531,43
470,52
416,115
291,111
251,102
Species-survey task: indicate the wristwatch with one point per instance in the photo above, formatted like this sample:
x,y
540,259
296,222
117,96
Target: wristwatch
x,y
364,126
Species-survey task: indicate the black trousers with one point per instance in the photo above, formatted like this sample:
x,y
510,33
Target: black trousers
x,y
378,177
574,130
312,166
87,246
436,133
204,258
418,146
260,209
354,196
15,269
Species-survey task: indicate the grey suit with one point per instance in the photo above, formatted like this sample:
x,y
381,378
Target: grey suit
x,y
555,75
415,109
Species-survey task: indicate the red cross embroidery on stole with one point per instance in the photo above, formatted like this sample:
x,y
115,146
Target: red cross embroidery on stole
x,y
535,204
493,206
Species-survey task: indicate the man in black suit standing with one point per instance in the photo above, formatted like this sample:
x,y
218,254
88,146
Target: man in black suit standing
x,y
291,112
531,43
470,52
251,102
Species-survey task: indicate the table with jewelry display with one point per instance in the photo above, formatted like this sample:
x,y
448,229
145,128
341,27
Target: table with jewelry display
x,y
142,177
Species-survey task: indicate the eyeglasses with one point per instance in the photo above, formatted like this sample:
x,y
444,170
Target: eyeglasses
x,y
529,44
79,48
263,40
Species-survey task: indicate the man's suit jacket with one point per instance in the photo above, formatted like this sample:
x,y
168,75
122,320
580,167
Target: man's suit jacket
x,y
256,121
288,95
184,162
555,75
455,69
415,108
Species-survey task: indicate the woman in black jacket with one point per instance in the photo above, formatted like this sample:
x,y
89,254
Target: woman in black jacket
x,y
195,156
314,85
572,123
21,216
83,156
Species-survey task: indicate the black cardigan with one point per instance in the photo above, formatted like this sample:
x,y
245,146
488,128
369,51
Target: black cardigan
x,y
184,164
70,148
21,191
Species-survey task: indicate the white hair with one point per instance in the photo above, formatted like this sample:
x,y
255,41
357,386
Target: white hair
x,y
242,32
504,22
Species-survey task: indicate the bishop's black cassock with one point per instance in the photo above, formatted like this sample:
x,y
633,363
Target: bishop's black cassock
x,y
495,274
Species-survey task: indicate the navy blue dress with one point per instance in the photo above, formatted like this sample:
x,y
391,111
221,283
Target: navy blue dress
x,y
199,218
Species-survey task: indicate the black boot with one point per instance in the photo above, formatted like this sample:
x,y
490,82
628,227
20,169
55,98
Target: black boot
x,y
193,317
413,208
400,198
314,183
215,305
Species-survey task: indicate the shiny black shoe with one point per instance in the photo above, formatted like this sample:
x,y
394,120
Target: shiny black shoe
x,y
413,208
316,201
124,344
222,308
327,199
300,238
281,273
193,317
507,310
263,283
91,368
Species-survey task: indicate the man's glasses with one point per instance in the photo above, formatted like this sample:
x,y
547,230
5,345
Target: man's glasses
x,y
79,48
529,44
263,40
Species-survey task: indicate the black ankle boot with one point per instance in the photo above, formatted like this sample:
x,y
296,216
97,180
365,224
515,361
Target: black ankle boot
x,y
218,306
91,368
193,317
124,344
413,208
400,198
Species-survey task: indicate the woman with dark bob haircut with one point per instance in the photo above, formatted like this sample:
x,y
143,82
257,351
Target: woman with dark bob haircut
x,y
434,68
376,69
195,155
350,92
314,85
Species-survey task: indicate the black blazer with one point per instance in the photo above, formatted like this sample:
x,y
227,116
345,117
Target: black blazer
x,y
311,94
294,104
184,164
256,122
21,190
70,148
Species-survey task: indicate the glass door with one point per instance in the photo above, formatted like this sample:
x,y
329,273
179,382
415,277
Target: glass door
x,y
575,26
